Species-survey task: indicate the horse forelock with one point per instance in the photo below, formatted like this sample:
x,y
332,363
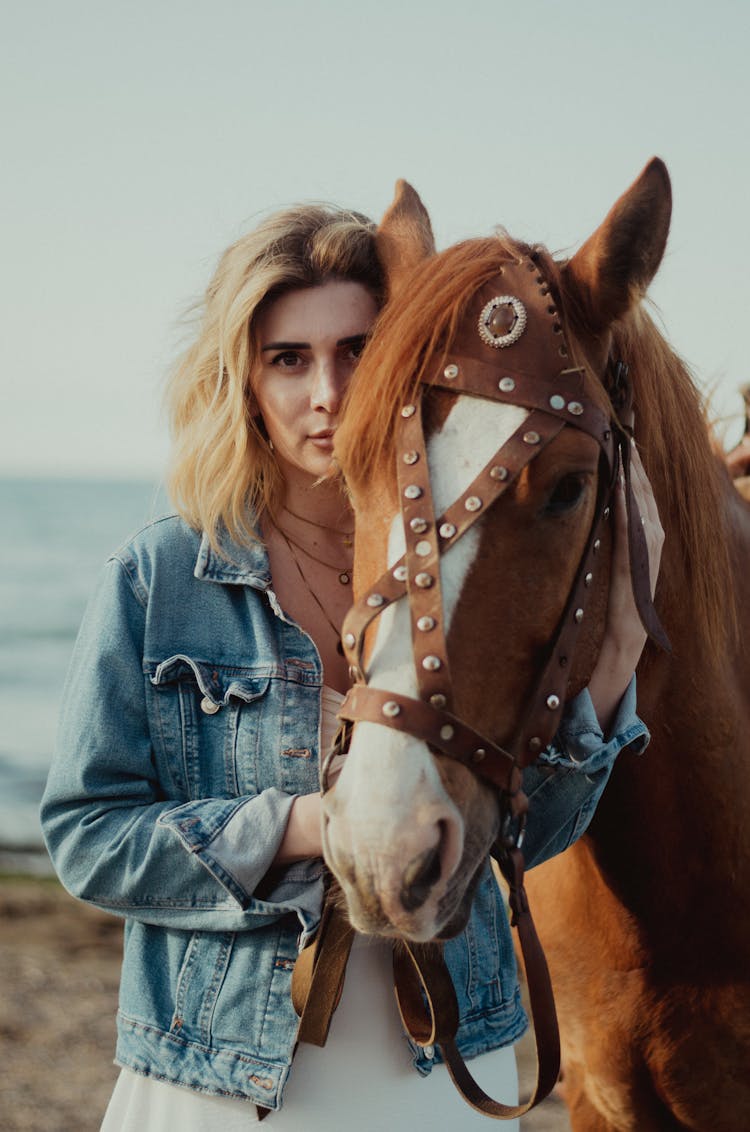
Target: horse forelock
x,y
411,335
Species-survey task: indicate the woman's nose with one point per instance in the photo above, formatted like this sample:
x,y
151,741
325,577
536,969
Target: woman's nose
x,y
329,386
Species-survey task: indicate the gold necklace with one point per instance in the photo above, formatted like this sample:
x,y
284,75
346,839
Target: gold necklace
x,y
344,572
346,536
312,593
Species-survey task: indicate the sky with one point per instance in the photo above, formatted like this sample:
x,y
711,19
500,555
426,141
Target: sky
x,y
139,139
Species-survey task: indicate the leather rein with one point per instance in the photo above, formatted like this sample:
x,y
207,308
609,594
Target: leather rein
x,y
535,378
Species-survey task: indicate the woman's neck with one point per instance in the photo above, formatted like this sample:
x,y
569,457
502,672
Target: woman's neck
x,y
323,503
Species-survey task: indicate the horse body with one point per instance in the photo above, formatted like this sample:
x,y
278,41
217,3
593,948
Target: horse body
x,y
645,921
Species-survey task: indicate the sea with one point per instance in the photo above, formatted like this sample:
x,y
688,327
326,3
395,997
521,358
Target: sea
x,y
55,536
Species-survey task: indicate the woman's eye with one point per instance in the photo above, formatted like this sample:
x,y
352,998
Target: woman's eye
x,y
287,359
355,347
566,494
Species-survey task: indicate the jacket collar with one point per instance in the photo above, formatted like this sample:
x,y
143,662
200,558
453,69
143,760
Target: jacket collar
x,y
244,564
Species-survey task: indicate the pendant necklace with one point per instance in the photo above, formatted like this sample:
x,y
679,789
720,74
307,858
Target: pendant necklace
x,y
344,572
347,537
312,593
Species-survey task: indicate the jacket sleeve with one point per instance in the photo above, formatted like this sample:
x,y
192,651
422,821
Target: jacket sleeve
x,y
114,837
565,784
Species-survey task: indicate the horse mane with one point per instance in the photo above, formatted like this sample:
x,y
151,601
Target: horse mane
x,y
672,430
674,439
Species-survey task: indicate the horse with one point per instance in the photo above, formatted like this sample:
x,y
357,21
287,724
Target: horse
x,y
645,920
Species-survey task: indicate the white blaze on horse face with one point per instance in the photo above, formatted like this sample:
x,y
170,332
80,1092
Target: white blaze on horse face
x,y
390,804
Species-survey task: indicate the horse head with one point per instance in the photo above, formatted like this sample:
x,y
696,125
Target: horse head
x,y
480,444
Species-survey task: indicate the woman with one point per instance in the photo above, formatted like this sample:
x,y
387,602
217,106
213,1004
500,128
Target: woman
x,y
203,689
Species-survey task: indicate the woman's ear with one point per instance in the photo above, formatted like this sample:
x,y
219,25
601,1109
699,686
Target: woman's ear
x,y
404,237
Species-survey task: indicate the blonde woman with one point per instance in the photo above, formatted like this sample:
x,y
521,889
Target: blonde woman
x,y
203,690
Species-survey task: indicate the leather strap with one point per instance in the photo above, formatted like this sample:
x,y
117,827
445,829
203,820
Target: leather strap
x,y
318,976
440,730
429,1010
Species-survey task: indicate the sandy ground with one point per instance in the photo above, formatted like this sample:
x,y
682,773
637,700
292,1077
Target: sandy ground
x,y
59,969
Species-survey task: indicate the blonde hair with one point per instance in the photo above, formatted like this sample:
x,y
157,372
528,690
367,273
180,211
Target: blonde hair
x,y
223,472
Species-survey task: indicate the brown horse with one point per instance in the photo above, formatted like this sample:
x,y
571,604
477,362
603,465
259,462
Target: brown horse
x,y
645,921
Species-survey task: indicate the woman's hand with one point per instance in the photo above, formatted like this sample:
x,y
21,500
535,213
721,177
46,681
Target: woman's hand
x,y
625,636
304,836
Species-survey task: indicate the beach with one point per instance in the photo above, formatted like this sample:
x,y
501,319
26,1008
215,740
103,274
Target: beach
x,y
59,970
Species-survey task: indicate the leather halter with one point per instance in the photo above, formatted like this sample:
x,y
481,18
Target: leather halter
x,y
534,373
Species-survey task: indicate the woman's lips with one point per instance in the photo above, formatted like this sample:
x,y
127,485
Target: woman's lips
x,y
323,439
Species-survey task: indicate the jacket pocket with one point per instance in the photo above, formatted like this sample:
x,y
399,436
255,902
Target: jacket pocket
x,y
197,712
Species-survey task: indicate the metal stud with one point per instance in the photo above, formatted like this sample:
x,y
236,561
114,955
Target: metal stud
x,y
447,732
605,513
423,548
535,743
411,457
400,573
588,579
473,503
447,530
450,371
479,755
424,581
531,437
424,624
578,616
553,702
432,663
408,410
438,700
556,401
413,491
506,385
597,544
375,601
575,407
498,472
391,709
418,525
350,640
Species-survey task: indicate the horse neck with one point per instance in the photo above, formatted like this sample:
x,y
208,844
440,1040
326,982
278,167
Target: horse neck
x,y
672,833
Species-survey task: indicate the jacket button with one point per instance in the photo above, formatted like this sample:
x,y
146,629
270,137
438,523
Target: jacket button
x,y
208,706
428,1051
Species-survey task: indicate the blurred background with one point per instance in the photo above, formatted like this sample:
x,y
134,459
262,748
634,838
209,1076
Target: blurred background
x,y
140,138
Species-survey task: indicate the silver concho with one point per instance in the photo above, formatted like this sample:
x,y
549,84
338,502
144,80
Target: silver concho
x,y
498,336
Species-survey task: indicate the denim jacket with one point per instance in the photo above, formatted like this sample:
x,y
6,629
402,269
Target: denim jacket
x,y
190,719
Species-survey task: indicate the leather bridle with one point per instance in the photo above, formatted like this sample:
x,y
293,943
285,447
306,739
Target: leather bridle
x,y
525,364
557,397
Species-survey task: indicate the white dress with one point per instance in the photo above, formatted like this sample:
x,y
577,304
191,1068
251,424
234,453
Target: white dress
x,y
363,1079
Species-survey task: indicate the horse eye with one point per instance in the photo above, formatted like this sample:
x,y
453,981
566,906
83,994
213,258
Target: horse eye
x,y
567,492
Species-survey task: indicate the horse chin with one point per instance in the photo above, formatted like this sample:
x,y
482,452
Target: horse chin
x,y
438,919
459,918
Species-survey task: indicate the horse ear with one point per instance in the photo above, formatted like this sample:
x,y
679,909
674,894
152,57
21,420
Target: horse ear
x,y
404,237
613,269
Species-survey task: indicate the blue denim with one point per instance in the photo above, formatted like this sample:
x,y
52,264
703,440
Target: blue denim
x,y
190,719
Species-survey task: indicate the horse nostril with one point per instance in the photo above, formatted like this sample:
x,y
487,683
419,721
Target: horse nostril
x,y
420,876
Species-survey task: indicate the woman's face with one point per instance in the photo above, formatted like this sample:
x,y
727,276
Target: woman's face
x,y
310,341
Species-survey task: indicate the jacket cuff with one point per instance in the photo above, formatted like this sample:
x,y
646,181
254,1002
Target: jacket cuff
x,y
580,744
237,841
